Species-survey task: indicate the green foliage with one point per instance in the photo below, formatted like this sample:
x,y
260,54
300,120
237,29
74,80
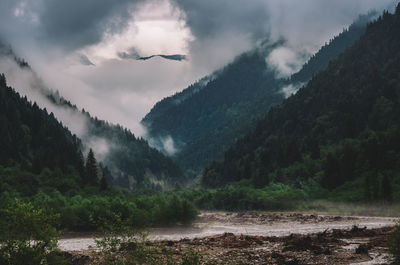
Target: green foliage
x,y
90,208
242,197
124,247
91,170
27,235
191,257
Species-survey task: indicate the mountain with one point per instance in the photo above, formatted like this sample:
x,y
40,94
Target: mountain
x,y
130,160
340,131
205,118
198,124
33,139
333,48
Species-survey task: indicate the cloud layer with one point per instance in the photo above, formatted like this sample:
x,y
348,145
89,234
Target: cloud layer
x,y
76,45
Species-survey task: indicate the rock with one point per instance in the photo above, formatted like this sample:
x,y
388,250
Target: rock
x,y
362,249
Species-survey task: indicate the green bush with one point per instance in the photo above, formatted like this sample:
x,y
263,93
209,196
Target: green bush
x,y
27,235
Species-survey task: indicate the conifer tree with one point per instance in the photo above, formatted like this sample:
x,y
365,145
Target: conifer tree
x,y
91,171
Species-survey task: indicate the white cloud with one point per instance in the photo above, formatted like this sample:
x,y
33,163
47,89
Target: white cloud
x,y
210,32
169,146
286,61
291,89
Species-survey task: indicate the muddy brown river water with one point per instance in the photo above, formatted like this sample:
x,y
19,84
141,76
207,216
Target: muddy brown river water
x,y
252,224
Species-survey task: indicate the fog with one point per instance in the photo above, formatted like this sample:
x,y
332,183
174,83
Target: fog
x,y
74,46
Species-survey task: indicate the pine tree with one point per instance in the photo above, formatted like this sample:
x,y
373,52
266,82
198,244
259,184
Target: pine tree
x,y
91,176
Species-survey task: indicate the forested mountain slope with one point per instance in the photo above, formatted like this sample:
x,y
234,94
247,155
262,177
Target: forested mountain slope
x,y
343,127
334,48
131,161
207,122
33,139
206,118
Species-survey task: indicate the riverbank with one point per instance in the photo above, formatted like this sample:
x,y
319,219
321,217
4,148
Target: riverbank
x,y
268,238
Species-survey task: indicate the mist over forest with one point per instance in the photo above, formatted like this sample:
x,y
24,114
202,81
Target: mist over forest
x,y
252,132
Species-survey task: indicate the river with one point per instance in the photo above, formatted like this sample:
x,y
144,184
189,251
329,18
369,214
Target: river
x,y
260,224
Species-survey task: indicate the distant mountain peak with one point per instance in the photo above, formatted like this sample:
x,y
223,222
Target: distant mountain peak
x,y
133,54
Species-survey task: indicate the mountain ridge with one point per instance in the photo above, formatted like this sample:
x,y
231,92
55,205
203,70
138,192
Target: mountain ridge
x,y
340,128
201,132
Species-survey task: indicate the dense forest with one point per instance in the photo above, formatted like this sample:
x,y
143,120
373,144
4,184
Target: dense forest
x,y
32,138
130,161
341,131
205,119
208,119
41,163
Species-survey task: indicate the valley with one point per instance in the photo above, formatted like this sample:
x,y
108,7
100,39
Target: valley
x,y
284,147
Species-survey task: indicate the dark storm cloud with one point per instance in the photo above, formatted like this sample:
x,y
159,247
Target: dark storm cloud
x,y
256,18
224,28
73,24
210,17
67,24
76,23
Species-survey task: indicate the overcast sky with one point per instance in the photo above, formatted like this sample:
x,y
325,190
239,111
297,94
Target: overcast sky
x,y
74,45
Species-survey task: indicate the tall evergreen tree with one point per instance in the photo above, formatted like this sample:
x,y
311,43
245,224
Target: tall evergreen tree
x,y
91,170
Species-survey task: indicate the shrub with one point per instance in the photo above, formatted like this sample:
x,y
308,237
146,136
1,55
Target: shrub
x,y
27,235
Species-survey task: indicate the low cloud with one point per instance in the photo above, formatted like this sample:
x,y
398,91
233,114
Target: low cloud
x,y
100,146
165,144
291,89
286,61
169,146
50,34
27,83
